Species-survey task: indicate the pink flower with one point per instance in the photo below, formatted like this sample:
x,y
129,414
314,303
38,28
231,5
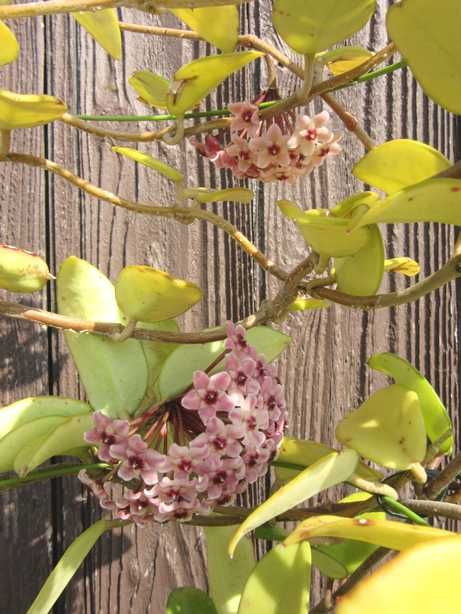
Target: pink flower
x,y
309,133
240,151
327,149
138,461
186,459
242,370
252,419
246,118
220,438
208,394
271,148
106,433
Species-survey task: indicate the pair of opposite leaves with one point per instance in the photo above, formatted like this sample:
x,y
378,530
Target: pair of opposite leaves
x,y
349,233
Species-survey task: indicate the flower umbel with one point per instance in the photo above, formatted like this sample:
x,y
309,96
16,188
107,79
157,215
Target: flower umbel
x,y
226,430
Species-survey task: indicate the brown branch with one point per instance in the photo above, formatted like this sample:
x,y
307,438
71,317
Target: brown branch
x,y
445,477
118,135
434,508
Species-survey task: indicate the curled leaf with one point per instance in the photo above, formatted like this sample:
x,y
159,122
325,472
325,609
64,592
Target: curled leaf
x,y
203,195
344,59
151,88
148,295
28,110
22,271
403,265
147,160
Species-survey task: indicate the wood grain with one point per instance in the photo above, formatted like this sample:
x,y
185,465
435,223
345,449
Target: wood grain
x,y
324,369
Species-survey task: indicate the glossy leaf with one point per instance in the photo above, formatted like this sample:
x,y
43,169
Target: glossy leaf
x,y
227,577
196,80
434,200
347,207
361,274
280,583
104,27
203,195
436,418
395,165
34,430
388,428
189,600
328,235
66,568
219,25
179,368
22,271
385,533
309,26
403,265
426,34
344,59
28,110
147,160
151,88
148,295
113,373
433,565
9,48
325,473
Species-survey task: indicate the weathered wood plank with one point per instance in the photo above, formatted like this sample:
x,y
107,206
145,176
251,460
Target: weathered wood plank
x,y
324,370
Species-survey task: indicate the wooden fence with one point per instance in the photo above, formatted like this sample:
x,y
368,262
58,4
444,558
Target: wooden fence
x,y
324,369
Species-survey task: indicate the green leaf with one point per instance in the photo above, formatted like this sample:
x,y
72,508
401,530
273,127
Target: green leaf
x,y
147,160
28,110
204,195
67,567
280,583
388,428
308,304
196,80
179,368
104,27
309,26
9,49
385,533
361,274
34,430
113,373
189,600
427,35
435,567
436,418
327,234
434,200
347,207
151,88
325,473
22,271
395,165
219,25
227,577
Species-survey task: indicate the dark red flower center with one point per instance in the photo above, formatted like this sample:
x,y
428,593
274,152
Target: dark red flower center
x,y
311,134
241,378
108,439
211,397
219,443
220,477
185,464
251,423
136,462
274,149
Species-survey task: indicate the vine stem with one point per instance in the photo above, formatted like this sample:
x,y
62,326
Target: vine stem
x,y
56,471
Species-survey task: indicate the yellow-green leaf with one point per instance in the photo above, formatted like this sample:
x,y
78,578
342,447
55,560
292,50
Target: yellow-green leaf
x,y
403,265
227,577
113,373
147,160
385,533
325,473
146,294
427,35
28,110
219,25
347,207
432,566
436,418
309,26
67,566
204,195
151,88
361,274
434,200
388,428
104,27
308,304
395,165
22,271
197,79
280,583
9,46
344,59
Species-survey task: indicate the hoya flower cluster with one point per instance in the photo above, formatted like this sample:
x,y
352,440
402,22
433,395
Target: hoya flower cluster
x,y
226,428
282,148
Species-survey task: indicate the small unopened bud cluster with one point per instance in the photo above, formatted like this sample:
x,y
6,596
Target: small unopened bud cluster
x,y
241,415
282,148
